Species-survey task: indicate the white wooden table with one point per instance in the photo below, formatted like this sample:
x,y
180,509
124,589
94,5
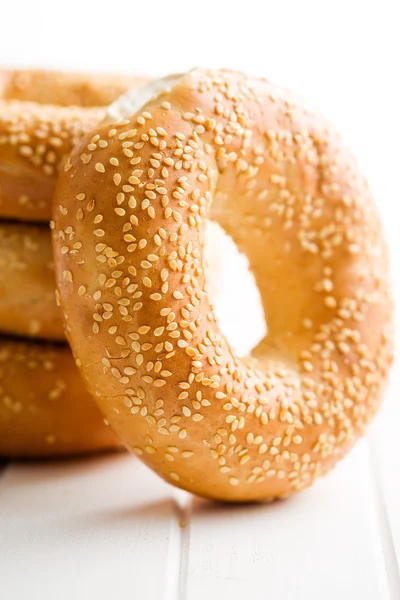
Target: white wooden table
x,y
106,527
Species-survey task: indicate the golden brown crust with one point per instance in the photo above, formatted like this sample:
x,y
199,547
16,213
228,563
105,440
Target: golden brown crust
x,y
39,125
44,408
34,142
279,180
27,286
65,89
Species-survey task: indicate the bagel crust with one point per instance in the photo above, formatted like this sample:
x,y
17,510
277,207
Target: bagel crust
x,y
35,139
128,241
43,114
44,408
27,285
64,88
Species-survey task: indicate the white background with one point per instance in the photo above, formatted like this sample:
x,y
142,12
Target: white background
x,y
106,527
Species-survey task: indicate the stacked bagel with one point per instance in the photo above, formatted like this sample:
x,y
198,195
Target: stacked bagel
x,y
44,407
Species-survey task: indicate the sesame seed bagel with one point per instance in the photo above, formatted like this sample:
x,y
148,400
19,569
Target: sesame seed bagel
x,y
27,286
37,132
238,150
44,407
63,88
35,139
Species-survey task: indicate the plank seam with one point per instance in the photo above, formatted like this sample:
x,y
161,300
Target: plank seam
x,y
177,562
383,523
184,525
4,467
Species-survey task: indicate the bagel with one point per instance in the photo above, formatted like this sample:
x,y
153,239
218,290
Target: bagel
x,y
27,285
45,410
128,232
36,138
65,89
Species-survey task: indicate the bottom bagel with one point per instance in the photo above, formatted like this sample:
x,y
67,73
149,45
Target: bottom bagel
x,y
45,410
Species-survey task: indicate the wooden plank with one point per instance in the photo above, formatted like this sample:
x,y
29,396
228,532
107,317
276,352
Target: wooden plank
x,y
322,543
97,528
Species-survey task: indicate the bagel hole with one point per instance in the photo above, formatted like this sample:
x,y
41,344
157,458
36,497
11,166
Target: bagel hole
x,y
233,291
